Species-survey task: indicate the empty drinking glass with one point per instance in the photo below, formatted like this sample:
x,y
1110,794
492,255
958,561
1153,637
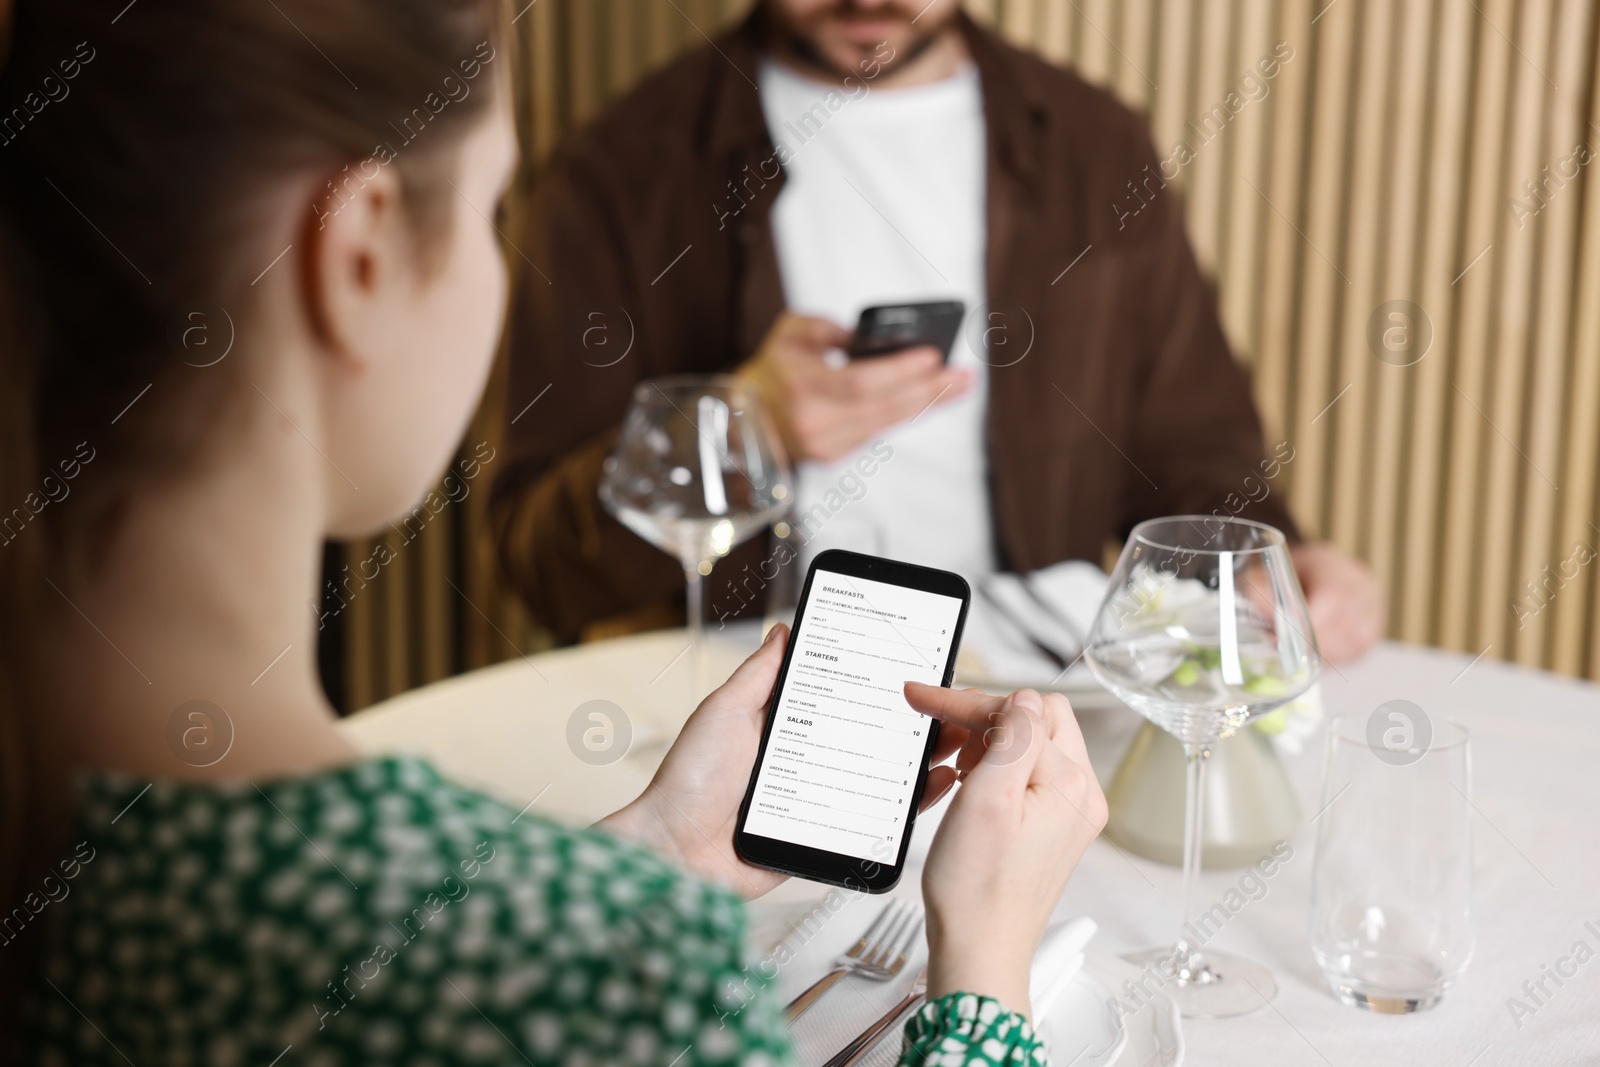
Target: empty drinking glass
x,y
1391,886
696,470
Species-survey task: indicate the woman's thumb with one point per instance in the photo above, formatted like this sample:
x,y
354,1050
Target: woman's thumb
x,y
752,682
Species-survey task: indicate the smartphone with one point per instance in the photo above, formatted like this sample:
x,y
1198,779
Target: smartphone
x,y
844,758
892,327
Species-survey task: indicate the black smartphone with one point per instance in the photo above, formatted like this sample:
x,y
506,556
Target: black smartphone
x,y
844,758
892,327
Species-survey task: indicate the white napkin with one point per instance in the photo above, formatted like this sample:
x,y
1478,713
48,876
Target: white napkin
x,y
1057,962
820,934
995,647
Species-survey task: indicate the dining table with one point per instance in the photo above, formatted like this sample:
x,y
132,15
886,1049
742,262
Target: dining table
x,y
575,733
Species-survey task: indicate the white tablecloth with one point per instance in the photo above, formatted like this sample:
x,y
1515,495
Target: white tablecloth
x,y
1536,765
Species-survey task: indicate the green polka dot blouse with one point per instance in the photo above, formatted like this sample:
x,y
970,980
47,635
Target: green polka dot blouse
x,y
380,914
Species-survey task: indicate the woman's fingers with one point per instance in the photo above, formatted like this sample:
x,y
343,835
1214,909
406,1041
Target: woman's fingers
x,y
978,715
969,708
1011,744
940,780
970,753
1073,785
1001,734
963,716
951,739
751,683
987,729
1064,728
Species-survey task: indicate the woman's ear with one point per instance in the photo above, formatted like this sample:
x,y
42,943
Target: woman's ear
x,y
356,249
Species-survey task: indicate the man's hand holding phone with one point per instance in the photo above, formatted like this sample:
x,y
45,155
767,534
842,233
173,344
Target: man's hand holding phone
x,y
825,409
1028,806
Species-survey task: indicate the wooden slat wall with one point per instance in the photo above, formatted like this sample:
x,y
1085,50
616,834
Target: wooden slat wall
x,y
1382,165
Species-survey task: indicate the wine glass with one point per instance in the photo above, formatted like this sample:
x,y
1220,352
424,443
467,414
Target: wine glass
x,y
696,470
1203,629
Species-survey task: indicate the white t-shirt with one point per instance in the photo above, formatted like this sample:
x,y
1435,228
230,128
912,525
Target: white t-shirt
x,y
883,203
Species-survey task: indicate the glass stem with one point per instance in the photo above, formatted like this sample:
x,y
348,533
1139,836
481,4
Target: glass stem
x,y
697,633
1196,757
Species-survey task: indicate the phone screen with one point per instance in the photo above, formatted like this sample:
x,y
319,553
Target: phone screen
x,y
844,756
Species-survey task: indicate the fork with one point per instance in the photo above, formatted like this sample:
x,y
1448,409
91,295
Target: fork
x,y
1006,612
1052,609
879,954
857,1049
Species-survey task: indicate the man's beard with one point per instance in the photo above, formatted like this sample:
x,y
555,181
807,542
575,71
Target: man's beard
x,y
802,48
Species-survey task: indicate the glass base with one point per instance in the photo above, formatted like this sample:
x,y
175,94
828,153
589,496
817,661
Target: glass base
x,y
1385,984
1206,985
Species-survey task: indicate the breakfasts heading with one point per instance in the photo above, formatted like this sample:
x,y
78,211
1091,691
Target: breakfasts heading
x,y
843,592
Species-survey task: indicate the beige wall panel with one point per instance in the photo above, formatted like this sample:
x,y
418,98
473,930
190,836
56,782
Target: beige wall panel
x,y
1476,285
1425,451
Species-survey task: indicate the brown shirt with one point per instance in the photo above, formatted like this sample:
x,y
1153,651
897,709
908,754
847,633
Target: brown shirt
x,y
652,254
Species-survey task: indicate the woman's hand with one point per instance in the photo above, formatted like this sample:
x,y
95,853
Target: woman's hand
x,y
689,810
1028,806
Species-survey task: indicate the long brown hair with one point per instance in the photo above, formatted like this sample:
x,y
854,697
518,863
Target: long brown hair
x,y
141,148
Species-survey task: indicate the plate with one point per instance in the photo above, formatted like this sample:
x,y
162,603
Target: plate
x,y
1082,1028
991,658
1090,697
1153,1026
1077,685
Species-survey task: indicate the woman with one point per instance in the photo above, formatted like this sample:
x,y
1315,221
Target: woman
x,y
252,295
